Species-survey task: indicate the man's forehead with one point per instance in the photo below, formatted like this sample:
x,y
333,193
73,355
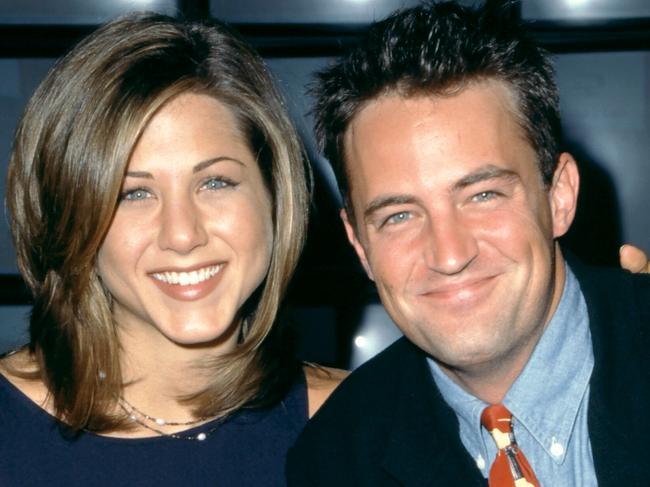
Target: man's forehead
x,y
402,137
383,122
499,88
380,123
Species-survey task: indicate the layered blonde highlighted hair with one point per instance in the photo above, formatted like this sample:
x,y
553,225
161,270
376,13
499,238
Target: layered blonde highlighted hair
x,y
69,157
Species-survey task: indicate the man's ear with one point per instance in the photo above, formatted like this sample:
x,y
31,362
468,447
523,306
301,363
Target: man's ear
x,y
564,194
354,241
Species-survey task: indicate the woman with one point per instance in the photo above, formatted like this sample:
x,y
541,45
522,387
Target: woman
x,y
157,200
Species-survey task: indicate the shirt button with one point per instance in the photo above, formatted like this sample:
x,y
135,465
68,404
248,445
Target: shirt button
x,y
557,450
480,462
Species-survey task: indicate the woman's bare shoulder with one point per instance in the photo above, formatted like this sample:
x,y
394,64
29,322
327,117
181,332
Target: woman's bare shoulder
x,y
321,382
21,370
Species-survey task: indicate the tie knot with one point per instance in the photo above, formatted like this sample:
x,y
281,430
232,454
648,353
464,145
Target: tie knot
x,y
510,467
497,417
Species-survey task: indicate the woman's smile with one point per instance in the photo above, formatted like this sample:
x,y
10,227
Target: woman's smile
x,y
189,285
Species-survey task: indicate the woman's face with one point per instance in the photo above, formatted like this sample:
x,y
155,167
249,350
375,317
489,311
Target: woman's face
x,y
192,234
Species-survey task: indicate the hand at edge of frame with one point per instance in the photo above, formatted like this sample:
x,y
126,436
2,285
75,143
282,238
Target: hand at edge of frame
x,y
634,259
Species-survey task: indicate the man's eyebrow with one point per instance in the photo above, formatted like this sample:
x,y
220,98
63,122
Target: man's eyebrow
x,y
197,168
384,201
483,174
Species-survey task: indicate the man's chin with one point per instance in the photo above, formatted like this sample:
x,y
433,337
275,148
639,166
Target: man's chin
x,y
465,351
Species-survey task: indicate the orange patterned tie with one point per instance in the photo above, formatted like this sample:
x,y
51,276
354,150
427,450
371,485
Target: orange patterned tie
x,y
510,467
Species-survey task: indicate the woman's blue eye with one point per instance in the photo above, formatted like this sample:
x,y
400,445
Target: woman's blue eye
x,y
135,195
400,217
216,183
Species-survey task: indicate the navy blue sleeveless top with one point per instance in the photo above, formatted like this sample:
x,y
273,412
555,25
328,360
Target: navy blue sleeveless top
x,y
248,449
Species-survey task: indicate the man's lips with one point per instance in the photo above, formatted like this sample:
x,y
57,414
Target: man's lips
x,y
190,284
462,290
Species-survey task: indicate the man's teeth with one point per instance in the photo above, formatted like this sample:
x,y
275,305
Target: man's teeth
x,y
188,278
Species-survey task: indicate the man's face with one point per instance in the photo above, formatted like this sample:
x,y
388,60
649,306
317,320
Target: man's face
x,y
454,224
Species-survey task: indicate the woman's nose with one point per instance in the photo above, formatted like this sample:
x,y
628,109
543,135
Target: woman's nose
x,y
182,228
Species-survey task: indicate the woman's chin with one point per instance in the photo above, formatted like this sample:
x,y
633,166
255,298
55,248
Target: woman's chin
x,y
203,335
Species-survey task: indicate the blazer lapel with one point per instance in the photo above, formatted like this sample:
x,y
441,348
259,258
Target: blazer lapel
x,y
423,447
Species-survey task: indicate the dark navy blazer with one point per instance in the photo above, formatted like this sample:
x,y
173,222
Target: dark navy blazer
x,y
388,425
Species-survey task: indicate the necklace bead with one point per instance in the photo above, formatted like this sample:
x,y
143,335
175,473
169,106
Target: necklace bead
x,y
141,419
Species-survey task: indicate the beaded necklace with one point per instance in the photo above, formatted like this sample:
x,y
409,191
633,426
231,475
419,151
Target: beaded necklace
x,y
144,419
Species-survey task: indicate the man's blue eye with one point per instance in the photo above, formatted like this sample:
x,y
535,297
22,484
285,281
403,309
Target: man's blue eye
x,y
400,217
484,196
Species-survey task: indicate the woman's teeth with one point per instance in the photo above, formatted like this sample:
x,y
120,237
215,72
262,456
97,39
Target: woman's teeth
x,y
187,278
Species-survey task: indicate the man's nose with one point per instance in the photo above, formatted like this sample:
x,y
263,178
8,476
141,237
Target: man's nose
x,y
452,245
181,227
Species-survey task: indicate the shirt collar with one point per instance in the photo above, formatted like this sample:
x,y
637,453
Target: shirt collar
x,y
547,409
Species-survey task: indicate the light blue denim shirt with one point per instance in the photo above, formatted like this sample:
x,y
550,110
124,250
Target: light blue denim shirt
x,y
548,400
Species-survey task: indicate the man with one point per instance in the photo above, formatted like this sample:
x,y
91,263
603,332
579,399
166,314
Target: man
x,y
443,129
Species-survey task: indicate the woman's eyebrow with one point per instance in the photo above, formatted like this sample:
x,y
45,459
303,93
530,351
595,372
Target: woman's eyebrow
x,y
139,174
207,163
197,168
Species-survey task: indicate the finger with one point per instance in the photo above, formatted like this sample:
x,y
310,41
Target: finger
x,y
634,259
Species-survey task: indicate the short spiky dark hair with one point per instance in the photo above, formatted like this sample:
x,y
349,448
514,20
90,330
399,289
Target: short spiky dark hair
x,y
437,49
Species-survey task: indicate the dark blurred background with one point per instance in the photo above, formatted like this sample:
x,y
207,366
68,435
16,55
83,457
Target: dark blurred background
x,y
602,57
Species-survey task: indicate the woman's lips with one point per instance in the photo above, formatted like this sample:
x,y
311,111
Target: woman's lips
x,y
188,285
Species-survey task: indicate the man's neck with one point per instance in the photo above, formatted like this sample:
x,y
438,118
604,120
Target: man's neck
x,y
490,381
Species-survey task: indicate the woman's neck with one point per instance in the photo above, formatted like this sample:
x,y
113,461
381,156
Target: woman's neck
x,y
158,372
